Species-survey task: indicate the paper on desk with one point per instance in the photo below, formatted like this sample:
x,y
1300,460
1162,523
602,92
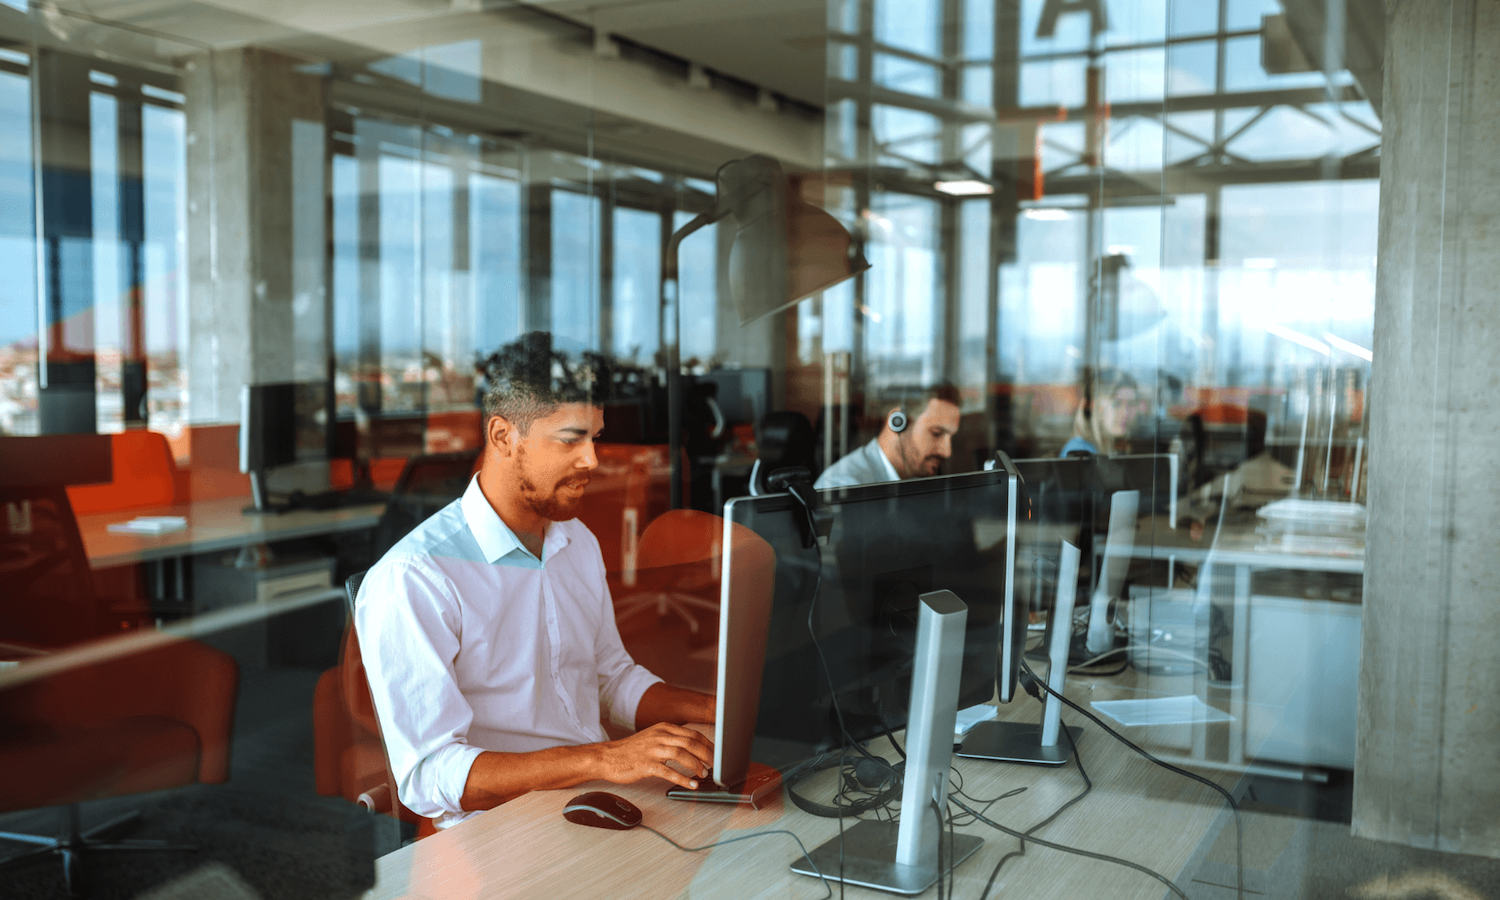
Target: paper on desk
x,y
149,525
1161,711
968,718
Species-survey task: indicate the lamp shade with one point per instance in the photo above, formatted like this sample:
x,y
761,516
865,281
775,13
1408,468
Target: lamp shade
x,y
785,249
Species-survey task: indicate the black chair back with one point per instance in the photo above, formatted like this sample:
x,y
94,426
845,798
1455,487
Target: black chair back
x,y
351,590
787,439
427,484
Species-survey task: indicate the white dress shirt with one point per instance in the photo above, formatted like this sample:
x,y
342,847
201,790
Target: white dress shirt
x,y
867,465
471,643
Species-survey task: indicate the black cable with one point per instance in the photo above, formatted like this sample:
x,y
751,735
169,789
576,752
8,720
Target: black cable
x,y
1103,857
1239,855
745,837
952,859
937,811
1088,786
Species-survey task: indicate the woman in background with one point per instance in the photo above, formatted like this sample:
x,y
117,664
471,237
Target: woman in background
x,y
1109,401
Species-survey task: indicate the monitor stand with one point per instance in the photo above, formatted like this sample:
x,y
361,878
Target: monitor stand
x,y
261,497
1030,742
903,859
760,784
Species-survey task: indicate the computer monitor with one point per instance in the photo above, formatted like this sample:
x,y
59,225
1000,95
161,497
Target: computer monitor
x,y
889,544
276,421
1092,502
743,395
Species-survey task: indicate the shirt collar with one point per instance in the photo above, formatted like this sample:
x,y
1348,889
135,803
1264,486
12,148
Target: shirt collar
x,y
879,453
495,539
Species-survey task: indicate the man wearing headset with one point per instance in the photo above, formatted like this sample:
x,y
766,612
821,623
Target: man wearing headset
x,y
915,439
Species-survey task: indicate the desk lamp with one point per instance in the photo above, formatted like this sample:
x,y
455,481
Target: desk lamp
x,y
785,250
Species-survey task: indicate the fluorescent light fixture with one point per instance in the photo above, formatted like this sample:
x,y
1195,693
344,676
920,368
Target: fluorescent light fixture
x,y
1349,347
1047,215
966,188
1298,337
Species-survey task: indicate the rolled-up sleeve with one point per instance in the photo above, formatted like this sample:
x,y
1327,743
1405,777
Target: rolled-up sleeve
x,y
408,623
621,681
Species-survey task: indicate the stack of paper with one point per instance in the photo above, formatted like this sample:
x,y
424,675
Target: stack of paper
x,y
149,525
968,718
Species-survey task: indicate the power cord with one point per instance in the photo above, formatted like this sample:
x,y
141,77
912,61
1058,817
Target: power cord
x,y
1075,850
746,837
1088,786
1239,853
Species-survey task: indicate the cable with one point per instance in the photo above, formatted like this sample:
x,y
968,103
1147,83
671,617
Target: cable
x,y
1088,786
1075,850
746,837
937,811
1239,855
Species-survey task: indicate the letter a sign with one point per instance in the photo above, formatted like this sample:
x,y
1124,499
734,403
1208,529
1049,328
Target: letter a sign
x,y
1047,26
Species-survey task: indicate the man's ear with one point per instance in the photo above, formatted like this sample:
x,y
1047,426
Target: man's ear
x,y
498,433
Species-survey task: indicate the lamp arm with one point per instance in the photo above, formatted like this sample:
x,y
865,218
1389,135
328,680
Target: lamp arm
x,y
670,312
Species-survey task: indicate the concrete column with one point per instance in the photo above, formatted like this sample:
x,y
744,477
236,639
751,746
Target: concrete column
x,y
256,247
1429,718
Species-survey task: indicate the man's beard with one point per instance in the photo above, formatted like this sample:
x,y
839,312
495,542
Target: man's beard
x,y
553,506
919,467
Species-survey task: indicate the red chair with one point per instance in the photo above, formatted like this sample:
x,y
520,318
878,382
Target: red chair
x,y
110,724
144,474
348,757
678,564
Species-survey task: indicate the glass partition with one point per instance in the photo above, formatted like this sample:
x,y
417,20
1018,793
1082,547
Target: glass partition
x,y
1143,231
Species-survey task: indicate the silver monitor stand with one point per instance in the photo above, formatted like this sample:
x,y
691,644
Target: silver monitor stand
x,y
1027,742
904,859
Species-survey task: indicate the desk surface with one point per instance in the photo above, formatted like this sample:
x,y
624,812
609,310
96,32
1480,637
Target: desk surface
x,y
526,849
212,525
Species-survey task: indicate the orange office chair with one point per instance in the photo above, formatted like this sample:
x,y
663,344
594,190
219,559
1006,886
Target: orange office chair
x,y
678,564
108,726
348,757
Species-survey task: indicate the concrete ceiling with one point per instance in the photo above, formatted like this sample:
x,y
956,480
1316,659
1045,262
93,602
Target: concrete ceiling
x,y
776,44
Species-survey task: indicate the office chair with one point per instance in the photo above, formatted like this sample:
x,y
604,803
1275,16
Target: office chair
x,y
49,598
786,439
349,758
678,561
427,484
109,726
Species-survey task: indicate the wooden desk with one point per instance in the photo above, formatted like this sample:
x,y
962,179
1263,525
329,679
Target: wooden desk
x,y
212,525
526,849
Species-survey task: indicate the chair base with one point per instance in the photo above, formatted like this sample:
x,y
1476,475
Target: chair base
x,y
73,845
664,602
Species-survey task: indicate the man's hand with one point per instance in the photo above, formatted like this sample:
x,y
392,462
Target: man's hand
x,y
646,753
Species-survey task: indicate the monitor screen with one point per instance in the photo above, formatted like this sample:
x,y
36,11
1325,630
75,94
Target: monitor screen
x,y
1070,500
268,426
743,395
890,543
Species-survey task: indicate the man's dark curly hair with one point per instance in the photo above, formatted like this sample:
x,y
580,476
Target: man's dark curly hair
x,y
528,380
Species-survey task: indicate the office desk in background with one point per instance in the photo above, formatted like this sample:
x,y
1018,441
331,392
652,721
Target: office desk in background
x,y
1294,656
212,525
191,573
526,849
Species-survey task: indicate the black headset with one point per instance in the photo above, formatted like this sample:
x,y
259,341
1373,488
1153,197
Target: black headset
x,y
867,773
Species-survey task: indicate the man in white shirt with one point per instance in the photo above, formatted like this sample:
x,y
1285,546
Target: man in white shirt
x,y
907,446
489,638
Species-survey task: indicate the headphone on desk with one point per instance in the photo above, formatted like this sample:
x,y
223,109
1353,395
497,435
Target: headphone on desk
x,y
867,773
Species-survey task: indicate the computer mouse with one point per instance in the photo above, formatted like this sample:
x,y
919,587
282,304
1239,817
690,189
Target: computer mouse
x,y
602,809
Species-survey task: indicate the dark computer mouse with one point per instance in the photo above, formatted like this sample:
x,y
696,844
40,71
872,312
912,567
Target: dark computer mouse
x,y
602,810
